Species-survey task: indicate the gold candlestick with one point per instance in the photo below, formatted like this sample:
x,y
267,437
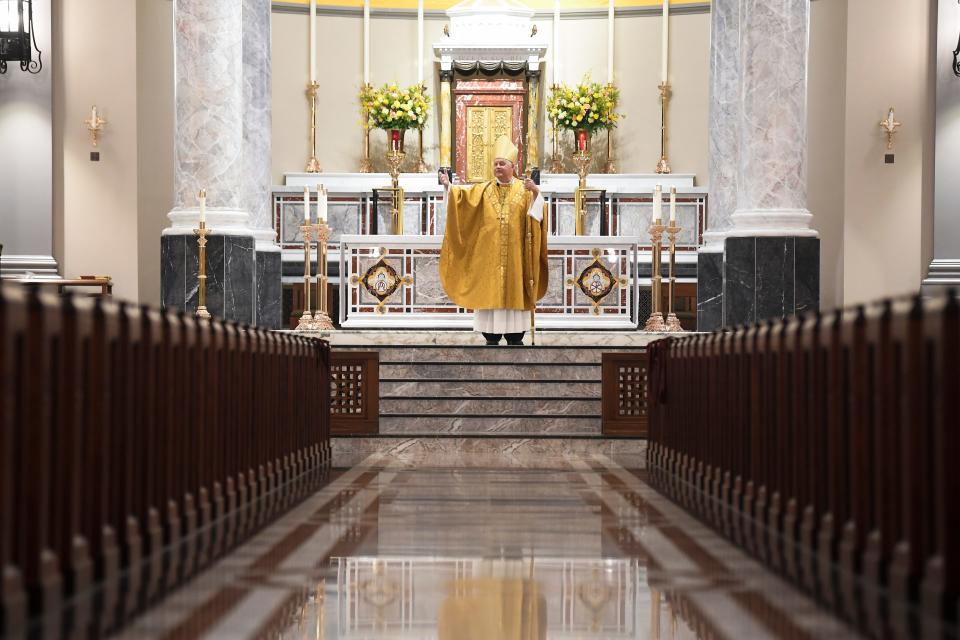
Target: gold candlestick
x,y
663,165
581,158
306,319
421,166
610,166
321,319
365,165
673,323
556,162
313,165
655,321
394,160
201,234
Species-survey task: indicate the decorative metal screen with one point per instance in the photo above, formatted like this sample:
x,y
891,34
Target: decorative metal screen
x,y
624,393
592,284
354,392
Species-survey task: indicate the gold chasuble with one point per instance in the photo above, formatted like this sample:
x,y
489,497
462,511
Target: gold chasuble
x,y
494,253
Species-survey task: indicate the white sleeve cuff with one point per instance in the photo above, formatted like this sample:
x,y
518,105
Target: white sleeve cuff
x,y
536,209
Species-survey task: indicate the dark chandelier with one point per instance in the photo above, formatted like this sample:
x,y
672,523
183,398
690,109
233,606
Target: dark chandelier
x,y
956,58
17,39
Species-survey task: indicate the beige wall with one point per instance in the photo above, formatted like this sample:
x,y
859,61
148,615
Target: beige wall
x,y
885,206
98,201
874,219
825,118
393,58
154,138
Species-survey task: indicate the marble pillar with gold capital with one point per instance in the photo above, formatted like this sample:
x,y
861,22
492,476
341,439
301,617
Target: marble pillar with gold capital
x,y
533,120
446,136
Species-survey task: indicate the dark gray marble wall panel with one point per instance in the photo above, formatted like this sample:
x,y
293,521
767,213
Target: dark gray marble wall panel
x,y
767,278
173,277
709,291
215,277
807,275
231,287
775,281
269,289
239,278
739,281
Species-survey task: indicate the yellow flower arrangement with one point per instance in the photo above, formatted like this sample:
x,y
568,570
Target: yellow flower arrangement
x,y
391,107
589,105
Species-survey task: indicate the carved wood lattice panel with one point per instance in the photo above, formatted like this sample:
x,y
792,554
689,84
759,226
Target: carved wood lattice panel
x,y
354,392
624,393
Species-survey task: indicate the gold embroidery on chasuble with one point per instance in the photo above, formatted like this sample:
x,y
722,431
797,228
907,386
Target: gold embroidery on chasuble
x,y
494,254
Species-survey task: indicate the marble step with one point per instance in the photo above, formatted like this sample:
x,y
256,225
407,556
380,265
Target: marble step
x,y
554,406
460,370
426,425
487,388
560,355
542,452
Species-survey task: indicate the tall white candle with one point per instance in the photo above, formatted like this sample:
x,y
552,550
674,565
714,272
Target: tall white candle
x,y
313,41
93,116
419,41
306,204
658,203
203,205
665,53
366,41
322,206
610,42
673,204
556,42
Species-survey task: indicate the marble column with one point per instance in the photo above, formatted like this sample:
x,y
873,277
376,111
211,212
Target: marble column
x,y
257,173
771,262
944,269
724,151
223,97
533,118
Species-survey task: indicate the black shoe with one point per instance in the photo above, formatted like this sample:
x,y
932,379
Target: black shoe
x,y
515,339
493,339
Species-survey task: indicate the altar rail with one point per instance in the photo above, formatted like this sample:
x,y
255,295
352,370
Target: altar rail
x,y
394,281
829,446
356,207
137,446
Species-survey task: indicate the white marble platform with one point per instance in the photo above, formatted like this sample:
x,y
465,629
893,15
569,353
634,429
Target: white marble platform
x,y
560,183
456,338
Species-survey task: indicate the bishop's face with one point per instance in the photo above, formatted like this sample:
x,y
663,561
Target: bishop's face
x,y
503,170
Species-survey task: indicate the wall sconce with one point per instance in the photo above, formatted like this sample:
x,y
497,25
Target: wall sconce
x,y
94,124
17,39
889,126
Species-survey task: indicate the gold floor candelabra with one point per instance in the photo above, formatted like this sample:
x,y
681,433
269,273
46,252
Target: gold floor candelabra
x,y
394,160
318,320
365,165
610,166
321,319
672,322
313,165
581,159
663,165
201,234
306,318
556,162
655,321
421,166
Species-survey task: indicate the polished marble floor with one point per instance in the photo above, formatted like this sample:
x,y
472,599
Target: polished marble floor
x,y
576,546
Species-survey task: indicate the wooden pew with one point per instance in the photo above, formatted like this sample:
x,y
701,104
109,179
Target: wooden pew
x,y
827,446
136,447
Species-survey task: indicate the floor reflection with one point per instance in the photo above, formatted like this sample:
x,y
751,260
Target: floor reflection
x,y
401,549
